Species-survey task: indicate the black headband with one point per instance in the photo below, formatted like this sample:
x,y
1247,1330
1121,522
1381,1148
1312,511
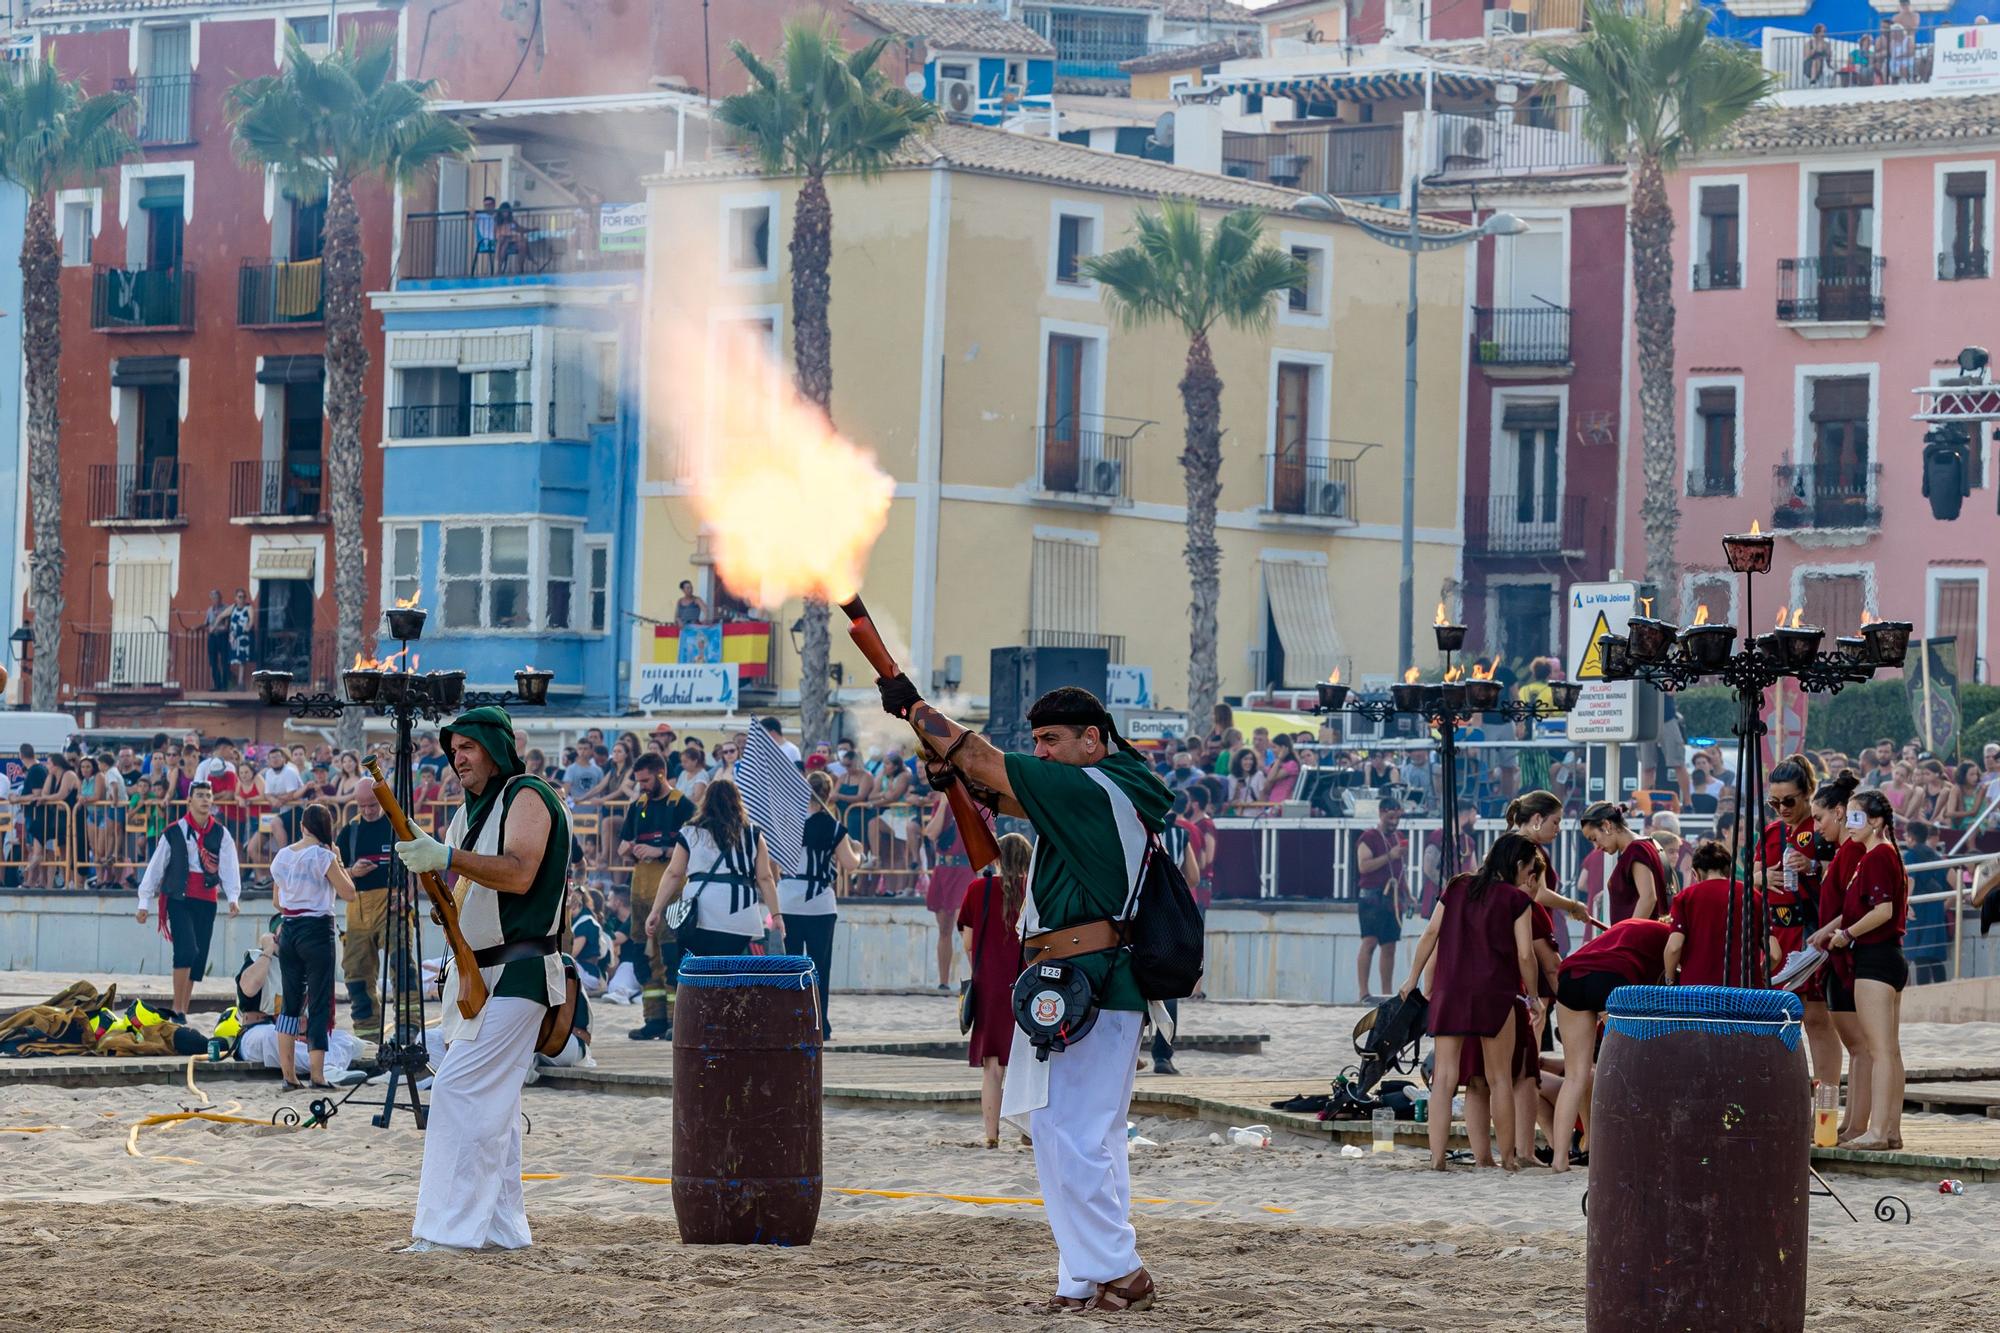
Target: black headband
x,y
1077,713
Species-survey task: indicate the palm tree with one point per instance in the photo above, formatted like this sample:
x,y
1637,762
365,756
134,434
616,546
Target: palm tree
x,y
1176,272
827,109
51,133
324,124
1659,89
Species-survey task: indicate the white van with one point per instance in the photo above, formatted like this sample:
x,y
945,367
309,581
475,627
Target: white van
x,y
49,733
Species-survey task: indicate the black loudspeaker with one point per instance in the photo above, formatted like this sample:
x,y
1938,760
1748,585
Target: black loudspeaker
x,y
1019,676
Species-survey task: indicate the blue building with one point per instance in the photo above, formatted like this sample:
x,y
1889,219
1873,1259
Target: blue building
x,y
511,438
977,64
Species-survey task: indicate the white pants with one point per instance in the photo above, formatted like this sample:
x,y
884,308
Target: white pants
x,y
1080,1155
470,1193
624,984
259,1046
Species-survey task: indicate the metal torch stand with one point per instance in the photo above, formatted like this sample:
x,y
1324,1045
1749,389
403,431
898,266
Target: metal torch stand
x,y
403,1052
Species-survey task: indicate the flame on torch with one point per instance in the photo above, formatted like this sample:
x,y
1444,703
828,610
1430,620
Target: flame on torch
x,y
1798,615
1410,676
1453,676
1333,677
1645,606
405,603
1440,616
1701,614
1755,531
1783,611
389,663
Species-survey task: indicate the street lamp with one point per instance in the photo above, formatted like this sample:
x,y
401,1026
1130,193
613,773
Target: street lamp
x,y
1415,243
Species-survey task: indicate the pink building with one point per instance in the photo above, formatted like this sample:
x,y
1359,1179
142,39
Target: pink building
x,y
1831,259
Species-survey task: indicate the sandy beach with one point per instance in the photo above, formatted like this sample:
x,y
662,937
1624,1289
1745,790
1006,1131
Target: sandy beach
x,y
218,1225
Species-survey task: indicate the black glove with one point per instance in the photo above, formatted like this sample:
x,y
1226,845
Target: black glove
x,y
899,696
939,774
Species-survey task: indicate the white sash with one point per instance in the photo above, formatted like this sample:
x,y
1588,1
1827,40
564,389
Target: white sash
x,y
1026,1088
479,919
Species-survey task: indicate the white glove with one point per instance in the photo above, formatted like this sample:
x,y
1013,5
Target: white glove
x,y
423,854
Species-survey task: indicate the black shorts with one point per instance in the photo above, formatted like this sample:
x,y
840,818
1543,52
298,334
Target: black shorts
x,y
1883,962
192,924
1378,918
1587,992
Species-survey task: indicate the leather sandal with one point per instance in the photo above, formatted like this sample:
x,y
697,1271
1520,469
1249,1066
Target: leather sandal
x,y
1066,1304
1137,1295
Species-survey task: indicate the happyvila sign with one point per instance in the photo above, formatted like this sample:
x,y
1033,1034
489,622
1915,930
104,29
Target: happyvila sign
x,y
1966,57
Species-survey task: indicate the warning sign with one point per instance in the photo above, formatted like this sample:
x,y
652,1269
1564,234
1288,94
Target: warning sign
x,y
1592,666
1607,710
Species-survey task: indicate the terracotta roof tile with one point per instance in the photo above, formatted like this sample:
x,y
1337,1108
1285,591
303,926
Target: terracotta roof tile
x,y
1930,118
954,27
1210,11
1190,57
1031,157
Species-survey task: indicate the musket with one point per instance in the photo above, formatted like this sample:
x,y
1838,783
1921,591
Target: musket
x,y
471,985
980,847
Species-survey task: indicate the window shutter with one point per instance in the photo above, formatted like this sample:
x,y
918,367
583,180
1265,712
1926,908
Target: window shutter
x,y
145,372
1845,189
292,370
1840,400
1531,414
1718,201
1965,184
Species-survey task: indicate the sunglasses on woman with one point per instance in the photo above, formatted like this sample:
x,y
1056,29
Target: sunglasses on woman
x,y
1782,802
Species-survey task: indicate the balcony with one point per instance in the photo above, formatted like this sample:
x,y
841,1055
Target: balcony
x,y
1836,290
451,421
162,113
138,494
1530,140
541,241
1112,644
1718,277
1528,526
272,490
1317,488
1362,161
165,660
134,299
1087,457
1521,336
1702,485
1798,64
274,294
1808,497
1958,265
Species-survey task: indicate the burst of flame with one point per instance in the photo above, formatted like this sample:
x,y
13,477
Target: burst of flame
x,y
1410,676
1481,673
1646,606
1440,616
405,603
1754,529
1333,677
1867,619
388,663
1701,614
1454,675
1783,611
793,508
416,662
1797,616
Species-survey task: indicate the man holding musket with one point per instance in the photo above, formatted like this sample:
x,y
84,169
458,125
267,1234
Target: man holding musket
x,y
509,848
1095,805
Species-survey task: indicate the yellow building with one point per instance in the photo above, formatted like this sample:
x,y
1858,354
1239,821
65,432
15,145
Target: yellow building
x,y
1034,441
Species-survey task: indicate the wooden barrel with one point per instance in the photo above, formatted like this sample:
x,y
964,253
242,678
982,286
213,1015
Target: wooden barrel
x,y
747,1101
1700,1159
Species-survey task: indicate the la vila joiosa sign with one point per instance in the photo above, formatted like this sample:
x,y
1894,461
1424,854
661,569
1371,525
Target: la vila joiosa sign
x,y
1966,57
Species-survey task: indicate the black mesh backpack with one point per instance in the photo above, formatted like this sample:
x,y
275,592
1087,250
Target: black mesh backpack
x,y
1164,935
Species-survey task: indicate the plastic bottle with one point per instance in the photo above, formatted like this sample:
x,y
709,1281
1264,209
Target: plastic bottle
x,y
1251,1136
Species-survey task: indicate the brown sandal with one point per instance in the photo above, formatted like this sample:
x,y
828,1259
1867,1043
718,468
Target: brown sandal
x,y
1066,1304
1135,1296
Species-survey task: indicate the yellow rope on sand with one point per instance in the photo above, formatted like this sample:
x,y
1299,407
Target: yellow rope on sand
x,y
132,1139
190,1081
983,1200
29,1129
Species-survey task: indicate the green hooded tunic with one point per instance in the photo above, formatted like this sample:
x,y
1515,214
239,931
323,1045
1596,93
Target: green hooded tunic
x,y
1081,871
523,916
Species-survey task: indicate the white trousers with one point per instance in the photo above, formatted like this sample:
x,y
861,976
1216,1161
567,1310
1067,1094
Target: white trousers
x,y
470,1193
260,1046
1080,1155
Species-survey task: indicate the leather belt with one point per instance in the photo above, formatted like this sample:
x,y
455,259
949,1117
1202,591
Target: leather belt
x,y
1070,941
515,950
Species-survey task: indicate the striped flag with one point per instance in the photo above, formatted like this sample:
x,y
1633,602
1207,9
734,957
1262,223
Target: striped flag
x,y
775,795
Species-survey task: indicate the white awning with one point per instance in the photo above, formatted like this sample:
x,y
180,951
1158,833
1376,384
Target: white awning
x,y
284,562
1302,609
494,351
411,350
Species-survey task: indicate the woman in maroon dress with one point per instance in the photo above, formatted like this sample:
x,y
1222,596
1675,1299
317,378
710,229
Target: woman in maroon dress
x,y
990,921
944,893
1637,885
1483,938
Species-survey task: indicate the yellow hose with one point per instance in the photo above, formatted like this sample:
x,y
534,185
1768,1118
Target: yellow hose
x,y
983,1200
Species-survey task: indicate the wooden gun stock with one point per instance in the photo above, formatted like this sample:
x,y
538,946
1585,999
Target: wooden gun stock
x,y
471,985
981,849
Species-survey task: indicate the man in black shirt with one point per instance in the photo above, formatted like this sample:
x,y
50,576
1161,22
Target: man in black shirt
x,y
647,838
366,845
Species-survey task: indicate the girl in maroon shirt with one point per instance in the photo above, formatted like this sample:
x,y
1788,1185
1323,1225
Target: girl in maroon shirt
x,y
1867,944
1700,917
1631,953
1482,936
1832,829
1789,875
1637,885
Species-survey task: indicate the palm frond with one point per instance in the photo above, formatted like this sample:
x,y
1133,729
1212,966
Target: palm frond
x,y
823,108
1174,270
52,132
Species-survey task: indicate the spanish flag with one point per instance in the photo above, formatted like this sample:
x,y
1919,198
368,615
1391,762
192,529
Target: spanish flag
x,y
744,642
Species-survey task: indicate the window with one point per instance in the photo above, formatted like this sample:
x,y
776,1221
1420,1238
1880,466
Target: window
x,y
1073,244
405,564
1963,219
1832,489
1524,620
954,71
1718,237
1016,79
597,559
607,379
559,586
310,29
1712,469
442,402
76,237
1531,462
1717,592
1062,601
483,577
747,352
750,239
1834,601
1302,298
160,223
1957,599
1843,276
298,229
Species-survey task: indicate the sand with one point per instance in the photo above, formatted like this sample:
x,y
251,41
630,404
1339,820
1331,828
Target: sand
x,y
221,1226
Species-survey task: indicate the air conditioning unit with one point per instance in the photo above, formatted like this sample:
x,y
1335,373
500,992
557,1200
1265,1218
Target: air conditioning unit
x,y
1330,500
1104,476
958,97
1468,140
